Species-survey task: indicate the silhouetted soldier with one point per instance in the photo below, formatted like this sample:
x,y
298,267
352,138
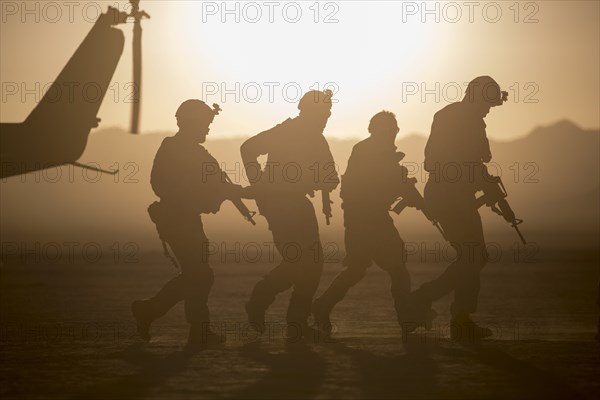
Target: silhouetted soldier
x,y
188,181
454,157
299,162
372,182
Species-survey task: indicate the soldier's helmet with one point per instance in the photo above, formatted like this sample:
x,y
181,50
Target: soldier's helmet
x,y
316,100
196,110
484,89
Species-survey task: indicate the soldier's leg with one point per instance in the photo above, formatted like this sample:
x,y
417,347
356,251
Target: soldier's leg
x,y
276,281
306,281
291,223
464,232
191,285
473,259
390,254
301,301
466,291
324,304
146,311
338,289
419,302
166,298
357,260
198,278
308,266
461,276
281,277
197,275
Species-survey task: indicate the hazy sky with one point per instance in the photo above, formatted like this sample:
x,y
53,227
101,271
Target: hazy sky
x,y
374,55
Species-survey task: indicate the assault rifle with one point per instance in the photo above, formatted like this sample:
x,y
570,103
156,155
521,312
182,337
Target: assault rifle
x,y
494,196
326,205
239,204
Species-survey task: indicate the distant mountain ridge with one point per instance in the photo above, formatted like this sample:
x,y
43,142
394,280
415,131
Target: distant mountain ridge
x,y
552,176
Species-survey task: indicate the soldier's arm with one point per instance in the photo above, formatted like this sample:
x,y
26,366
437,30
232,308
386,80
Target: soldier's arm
x,y
253,148
328,175
156,174
486,153
331,179
432,148
359,170
480,139
400,178
409,192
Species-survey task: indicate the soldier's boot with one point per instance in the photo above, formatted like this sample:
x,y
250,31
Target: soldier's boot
x,y
146,311
256,317
322,306
415,312
294,332
298,328
321,314
197,313
201,337
262,296
144,316
302,332
464,329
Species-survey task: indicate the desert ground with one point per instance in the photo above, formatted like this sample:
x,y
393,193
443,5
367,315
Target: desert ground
x,y
66,332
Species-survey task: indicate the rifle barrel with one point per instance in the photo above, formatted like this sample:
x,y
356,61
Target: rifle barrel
x,y
239,204
326,205
439,228
519,233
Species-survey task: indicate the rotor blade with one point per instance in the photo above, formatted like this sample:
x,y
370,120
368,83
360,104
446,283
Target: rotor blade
x,y
137,76
92,168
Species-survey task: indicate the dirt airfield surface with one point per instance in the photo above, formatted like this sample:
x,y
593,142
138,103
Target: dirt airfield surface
x,y
66,332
